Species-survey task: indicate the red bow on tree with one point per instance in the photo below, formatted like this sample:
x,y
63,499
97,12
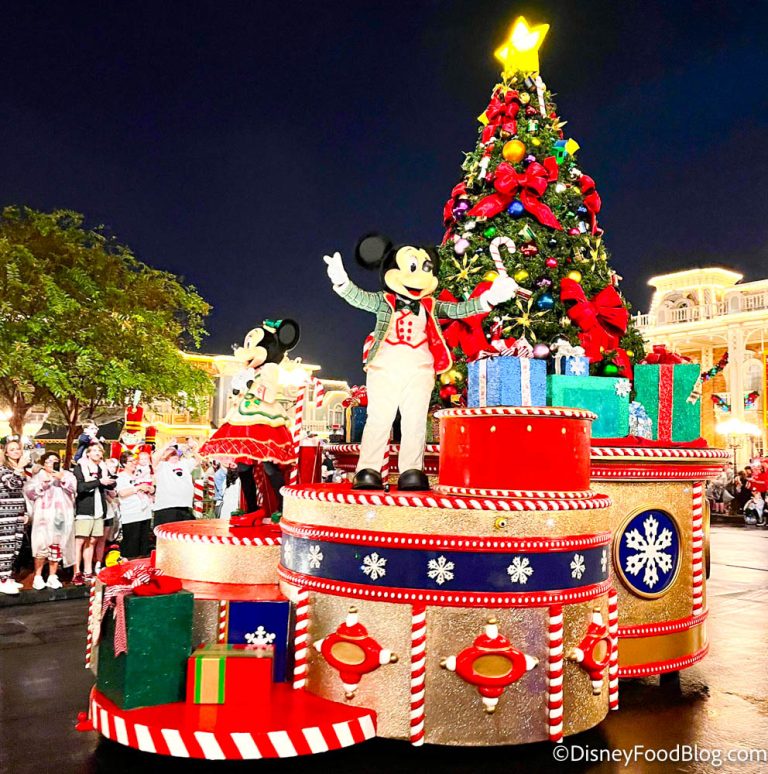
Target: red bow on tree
x,y
602,320
467,333
662,356
592,200
529,186
501,112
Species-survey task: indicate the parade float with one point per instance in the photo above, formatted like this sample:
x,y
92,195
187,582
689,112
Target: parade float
x,y
489,589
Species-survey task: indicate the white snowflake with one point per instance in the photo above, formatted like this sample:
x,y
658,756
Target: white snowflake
x,y
373,566
288,553
260,637
315,557
623,388
520,570
578,367
440,570
651,554
604,561
577,566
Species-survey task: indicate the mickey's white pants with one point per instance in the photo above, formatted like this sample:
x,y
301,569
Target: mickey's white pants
x,y
400,377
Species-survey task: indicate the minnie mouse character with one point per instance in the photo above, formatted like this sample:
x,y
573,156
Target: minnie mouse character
x,y
406,349
255,430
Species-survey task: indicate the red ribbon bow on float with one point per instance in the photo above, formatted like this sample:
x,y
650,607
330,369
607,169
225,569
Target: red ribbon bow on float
x,y
603,319
501,113
529,186
467,333
662,356
592,200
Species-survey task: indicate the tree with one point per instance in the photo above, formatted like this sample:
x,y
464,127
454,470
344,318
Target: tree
x,y
83,323
524,200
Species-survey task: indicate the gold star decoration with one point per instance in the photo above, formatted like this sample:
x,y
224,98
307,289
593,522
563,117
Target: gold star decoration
x,y
465,269
523,322
521,51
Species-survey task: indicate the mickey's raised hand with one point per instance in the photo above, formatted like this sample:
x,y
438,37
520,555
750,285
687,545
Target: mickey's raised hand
x,y
336,270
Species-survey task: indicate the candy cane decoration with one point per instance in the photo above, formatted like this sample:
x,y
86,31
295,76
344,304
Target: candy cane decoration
x,y
197,498
301,640
613,664
385,465
223,624
418,672
540,93
495,250
89,635
319,392
298,421
486,159
697,546
555,674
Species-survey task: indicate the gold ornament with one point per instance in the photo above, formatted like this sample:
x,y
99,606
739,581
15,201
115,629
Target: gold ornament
x,y
445,378
524,98
536,141
490,276
575,275
521,275
630,353
514,150
456,376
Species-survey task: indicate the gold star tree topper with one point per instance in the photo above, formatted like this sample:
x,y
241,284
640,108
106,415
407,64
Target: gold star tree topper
x,y
521,51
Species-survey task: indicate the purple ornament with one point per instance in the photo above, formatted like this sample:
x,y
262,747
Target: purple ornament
x,y
461,246
544,282
461,209
529,159
541,351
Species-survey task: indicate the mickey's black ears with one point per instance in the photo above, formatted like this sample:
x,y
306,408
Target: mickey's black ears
x,y
288,334
371,250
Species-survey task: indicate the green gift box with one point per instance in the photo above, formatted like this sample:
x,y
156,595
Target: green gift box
x,y
153,670
667,392
606,396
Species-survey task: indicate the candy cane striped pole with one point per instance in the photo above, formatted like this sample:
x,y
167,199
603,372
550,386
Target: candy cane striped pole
x,y
89,635
385,465
555,674
298,421
319,393
301,640
221,634
197,498
697,548
418,672
613,663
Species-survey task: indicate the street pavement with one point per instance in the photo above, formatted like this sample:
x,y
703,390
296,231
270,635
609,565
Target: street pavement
x,y
717,709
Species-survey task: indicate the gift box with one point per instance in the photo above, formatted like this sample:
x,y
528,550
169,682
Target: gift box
x,y
507,381
230,674
606,396
356,418
262,622
667,392
640,424
159,640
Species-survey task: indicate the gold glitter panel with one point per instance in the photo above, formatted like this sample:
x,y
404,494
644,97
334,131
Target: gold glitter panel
x,y
216,563
387,690
205,621
634,651
674,497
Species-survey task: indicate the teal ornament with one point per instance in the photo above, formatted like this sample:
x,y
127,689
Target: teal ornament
x,y
545,302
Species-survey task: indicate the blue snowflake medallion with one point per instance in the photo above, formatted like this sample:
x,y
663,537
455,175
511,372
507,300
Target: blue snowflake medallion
x,y
648,553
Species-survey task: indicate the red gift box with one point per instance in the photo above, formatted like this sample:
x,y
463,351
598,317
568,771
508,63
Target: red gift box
x,y
230,674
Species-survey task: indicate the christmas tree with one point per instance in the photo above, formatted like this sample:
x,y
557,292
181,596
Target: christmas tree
x,y
524,207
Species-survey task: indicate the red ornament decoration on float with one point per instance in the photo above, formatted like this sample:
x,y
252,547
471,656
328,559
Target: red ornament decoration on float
x,y
491,664
593,653
352,652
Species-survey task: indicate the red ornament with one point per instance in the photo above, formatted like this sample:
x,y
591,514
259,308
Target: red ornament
x,y
352,652
573,231
529,249
448,391
551,263
491,664
530,110
594,652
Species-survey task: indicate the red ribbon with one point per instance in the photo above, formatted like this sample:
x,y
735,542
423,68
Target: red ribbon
x,y
603,319
358,396
529,186
621,359
662,356
501,113
467,333
592,200
459,192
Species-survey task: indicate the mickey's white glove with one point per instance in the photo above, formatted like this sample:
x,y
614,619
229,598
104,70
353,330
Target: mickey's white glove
x,y
336,270
502,290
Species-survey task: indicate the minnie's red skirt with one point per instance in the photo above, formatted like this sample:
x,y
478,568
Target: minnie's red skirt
x,y
251,443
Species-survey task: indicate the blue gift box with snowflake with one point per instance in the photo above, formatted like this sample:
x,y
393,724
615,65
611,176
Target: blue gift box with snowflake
x,y
262,622
606,396
507,381
569,360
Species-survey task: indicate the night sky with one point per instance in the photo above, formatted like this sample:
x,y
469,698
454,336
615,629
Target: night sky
x,y
235,143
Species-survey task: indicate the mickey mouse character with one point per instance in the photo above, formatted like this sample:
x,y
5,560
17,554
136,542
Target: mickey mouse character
x,y
255,433
406,349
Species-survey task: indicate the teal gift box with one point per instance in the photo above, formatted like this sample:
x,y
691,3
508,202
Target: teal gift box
x,y
606,396
674,407
154,669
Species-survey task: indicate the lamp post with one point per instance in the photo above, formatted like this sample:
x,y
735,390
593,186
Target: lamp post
x,y
736,431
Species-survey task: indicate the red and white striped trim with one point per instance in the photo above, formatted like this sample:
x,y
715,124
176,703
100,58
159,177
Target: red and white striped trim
x,y
198,495
664,627
445,542
524,494
298,422
644,472
223,623
613,663
349,497
517,411
91,623
601,452
418,672
444,598
183,741
301,640
658,667
697,547
385,466
555,674
221,540
394,448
